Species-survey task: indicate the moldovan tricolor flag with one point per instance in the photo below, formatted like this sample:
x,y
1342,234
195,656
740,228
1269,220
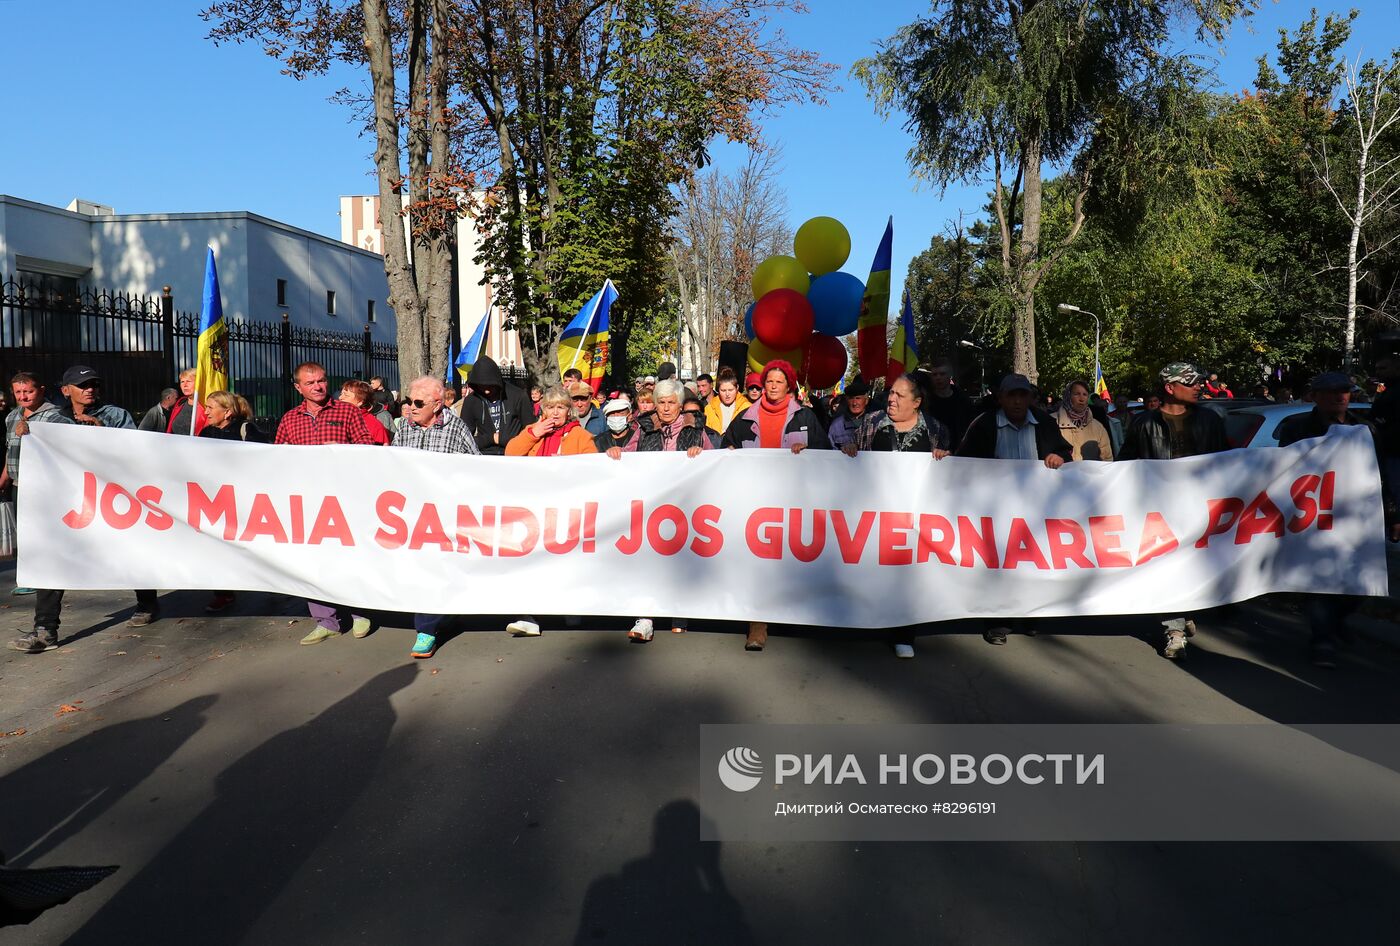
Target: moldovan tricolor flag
x,y
584,344
211,358
471,351
874,311
1100,385
904,353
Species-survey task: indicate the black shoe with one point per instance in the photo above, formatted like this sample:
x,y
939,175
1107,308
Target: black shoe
x,y
995,635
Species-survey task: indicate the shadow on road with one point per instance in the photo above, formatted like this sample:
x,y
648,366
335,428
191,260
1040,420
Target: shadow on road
x,y
675,894
56,796
271,810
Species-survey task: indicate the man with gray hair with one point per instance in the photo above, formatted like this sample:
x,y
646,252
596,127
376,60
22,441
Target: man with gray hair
x,y
433,428
430,426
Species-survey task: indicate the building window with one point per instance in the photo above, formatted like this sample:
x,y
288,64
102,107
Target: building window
x,y
330,302
282,292
369,313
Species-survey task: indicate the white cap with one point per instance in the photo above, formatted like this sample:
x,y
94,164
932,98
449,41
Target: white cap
x,y
616,404
649,379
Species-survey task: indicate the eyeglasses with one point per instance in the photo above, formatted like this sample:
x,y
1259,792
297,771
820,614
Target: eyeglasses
x,y
582,397
417,403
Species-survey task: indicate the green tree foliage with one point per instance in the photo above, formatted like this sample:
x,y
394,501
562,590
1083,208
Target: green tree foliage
x,y
1235,259
994,89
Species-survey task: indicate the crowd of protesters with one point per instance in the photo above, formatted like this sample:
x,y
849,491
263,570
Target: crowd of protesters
x,y
920,412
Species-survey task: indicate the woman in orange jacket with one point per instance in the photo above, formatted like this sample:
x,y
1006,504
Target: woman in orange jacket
x,y
556,433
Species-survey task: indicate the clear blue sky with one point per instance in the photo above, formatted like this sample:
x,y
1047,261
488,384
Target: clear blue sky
x,y
128,104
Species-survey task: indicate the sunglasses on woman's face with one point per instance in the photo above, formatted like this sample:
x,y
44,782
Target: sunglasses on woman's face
x,y
419,404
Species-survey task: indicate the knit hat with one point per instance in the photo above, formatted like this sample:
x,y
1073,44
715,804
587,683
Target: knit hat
x,y
785,367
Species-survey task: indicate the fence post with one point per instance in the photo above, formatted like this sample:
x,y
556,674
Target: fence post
x,y
286,360
167,334
369,355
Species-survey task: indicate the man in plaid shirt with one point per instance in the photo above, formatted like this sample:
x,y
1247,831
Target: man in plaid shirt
x,y
320,420
431,427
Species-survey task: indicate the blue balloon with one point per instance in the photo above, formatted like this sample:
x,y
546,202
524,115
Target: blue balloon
x,y
748,321
835,299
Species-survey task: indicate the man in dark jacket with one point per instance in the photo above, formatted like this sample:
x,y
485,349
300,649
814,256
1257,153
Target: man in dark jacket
x,y
1331,395
1179,428
495,411
1016,430
943,402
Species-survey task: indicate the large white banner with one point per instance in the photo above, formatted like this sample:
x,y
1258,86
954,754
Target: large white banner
x,y
816,538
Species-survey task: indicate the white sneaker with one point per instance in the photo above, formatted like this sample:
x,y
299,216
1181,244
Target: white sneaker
x,y
905,651
642,631
1175,647
525,627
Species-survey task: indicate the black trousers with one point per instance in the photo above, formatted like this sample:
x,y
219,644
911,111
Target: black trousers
x,y
48,604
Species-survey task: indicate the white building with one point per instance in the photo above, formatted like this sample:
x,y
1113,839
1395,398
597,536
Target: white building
x,y
359,226
266,268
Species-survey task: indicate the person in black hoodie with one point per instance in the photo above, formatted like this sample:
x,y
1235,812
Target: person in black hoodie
x,y
495,411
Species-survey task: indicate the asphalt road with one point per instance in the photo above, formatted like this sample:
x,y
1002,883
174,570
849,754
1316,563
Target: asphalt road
x,y
543,790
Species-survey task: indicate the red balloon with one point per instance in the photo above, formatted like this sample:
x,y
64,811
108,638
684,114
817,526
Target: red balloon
x,y
824,360
782,319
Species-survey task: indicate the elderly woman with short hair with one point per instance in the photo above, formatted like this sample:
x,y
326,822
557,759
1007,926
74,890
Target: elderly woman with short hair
x,y
671,431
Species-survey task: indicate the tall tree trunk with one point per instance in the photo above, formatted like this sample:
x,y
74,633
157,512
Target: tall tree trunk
x,y
1352,266
398,268
1027,273
444,233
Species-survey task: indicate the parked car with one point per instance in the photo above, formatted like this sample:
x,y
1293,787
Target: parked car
x,y
1258,426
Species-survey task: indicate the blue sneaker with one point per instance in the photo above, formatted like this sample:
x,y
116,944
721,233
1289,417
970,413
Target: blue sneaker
x,y
22,591
424,646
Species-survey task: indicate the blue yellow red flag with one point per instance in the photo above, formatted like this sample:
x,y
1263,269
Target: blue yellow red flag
x,y
211,355
1100,385
871,349
584,342
471,351
904,352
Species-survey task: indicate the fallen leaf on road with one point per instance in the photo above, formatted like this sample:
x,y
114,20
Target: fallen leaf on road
x,y
434,673
16,732
68,708
500,660
117,653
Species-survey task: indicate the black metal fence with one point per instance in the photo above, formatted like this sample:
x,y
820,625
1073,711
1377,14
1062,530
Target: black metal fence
x,y
140,344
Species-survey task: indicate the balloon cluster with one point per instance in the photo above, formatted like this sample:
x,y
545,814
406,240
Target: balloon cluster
x,y
804,305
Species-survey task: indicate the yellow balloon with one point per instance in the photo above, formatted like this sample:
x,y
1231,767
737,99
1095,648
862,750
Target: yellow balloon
x,y
780,272
822,245
760,354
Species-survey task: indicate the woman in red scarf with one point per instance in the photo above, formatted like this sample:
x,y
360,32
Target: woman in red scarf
x,y
556,433
776,421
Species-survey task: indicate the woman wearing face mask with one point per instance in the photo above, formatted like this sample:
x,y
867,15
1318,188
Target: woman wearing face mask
x,y
672,431
622,435
1077,424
